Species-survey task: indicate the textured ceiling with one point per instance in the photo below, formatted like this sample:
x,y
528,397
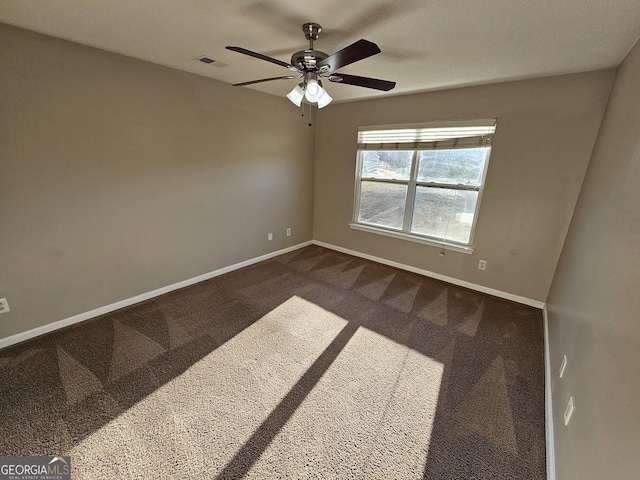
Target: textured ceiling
x,y
425,45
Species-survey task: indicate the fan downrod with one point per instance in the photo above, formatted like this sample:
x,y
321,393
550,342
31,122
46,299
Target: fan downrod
x,y
306,60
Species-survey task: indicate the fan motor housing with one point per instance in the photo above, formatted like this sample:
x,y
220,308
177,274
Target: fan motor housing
x,y
307,59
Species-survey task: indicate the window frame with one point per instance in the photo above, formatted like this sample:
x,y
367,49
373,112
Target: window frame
x,y
412,183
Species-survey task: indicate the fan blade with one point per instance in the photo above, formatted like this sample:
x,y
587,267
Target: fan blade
x,y
367,82
262,57
348,55
287,77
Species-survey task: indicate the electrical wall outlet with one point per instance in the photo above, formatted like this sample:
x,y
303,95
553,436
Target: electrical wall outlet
x,y
4,306
563,365
288,232
482,265
569,411
269,236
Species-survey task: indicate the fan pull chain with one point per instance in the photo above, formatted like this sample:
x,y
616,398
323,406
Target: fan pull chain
x,y
309,114
302,105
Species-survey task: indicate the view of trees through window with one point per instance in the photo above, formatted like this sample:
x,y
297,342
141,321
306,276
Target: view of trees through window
x,y
443,196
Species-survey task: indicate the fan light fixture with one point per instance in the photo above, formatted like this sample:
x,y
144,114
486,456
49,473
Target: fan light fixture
x,y
324,100
312,91
296,95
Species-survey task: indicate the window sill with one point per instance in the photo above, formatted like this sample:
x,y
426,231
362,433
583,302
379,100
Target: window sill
x,y
413,238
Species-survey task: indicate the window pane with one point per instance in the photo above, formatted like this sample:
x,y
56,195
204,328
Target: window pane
x,y
382,204
460,165
444,213
383,164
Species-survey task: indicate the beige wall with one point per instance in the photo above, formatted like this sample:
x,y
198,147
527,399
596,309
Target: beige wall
x,y
118,177
545,135
594,303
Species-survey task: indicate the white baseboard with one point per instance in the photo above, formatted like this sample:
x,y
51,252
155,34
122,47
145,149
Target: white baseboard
x,y
548,401
20,337
437,276
50,327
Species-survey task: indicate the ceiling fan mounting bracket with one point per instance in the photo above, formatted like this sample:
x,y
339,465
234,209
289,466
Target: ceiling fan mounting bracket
x,y
311,31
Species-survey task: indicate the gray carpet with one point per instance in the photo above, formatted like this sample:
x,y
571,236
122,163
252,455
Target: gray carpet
x,y
314,364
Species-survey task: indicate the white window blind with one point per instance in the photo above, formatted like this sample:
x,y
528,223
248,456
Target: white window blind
x,y
425,137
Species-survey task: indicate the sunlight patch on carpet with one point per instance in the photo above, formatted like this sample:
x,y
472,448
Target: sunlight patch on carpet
x,y
373,410
200,419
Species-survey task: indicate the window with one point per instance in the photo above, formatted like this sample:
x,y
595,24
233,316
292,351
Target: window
x,y
422,182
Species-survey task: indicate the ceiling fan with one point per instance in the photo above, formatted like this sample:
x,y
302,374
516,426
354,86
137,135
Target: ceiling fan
x,y
313,65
